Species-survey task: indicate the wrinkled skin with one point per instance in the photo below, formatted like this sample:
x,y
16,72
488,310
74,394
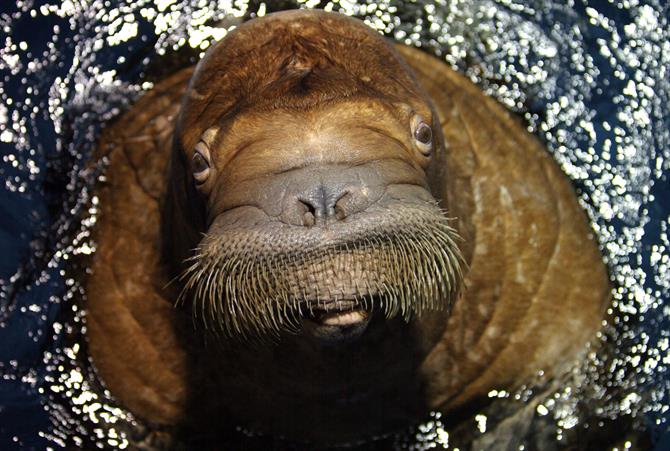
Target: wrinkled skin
x,y
307,175
313,217
315,180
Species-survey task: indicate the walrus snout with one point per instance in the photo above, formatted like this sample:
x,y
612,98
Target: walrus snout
x,y
254,274
322,195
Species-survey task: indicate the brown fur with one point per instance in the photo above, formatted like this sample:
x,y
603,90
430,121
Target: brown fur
x,y
535,291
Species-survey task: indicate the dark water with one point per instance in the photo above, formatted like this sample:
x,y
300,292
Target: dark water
x,y
589,77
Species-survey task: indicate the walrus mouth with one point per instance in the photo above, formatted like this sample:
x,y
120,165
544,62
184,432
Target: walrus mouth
x,y
269,280
339,319
336,322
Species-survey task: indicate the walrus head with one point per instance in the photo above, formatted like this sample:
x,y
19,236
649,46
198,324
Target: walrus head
x,y
300,193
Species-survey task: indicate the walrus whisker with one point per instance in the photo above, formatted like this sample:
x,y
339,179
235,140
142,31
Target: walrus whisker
x,y
208,290
416,268
187,286
246,276
218,289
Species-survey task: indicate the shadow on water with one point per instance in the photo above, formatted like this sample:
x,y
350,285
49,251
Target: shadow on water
x,y
296,385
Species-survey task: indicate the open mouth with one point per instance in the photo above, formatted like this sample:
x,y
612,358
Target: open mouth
x,y
339,319
336,322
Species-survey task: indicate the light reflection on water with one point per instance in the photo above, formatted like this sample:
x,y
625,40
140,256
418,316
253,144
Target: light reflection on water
x,y
590,78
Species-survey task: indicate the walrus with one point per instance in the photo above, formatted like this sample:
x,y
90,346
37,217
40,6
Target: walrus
x,y
319,235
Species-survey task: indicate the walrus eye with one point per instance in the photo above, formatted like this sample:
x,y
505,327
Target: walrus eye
x,y
423,135
200,167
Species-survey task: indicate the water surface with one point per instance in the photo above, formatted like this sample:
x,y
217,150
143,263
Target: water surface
x,y
589,78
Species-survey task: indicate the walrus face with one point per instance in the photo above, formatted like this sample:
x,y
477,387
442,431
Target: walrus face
x,y
316,218
316,208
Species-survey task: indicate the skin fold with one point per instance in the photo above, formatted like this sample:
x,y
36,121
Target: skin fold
x,y
281,246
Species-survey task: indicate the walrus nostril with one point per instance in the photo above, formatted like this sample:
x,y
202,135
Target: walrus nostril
x,y
308,213
340,212
321,205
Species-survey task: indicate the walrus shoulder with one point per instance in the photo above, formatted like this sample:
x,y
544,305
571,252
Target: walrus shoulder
x,y
537,287
130,319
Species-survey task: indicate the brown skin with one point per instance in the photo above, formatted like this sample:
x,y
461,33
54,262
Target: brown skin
x,y
308,124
